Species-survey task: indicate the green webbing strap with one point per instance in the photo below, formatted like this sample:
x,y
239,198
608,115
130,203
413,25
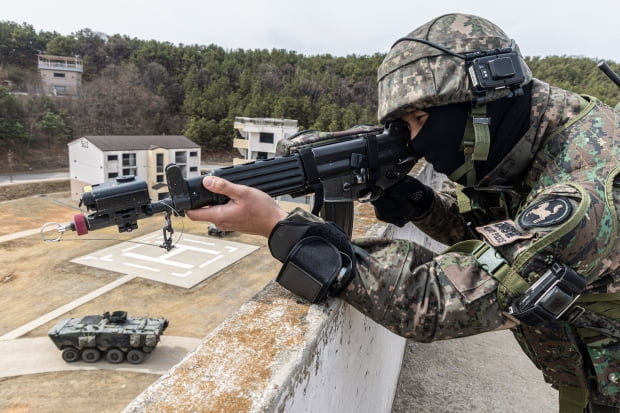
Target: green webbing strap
x,y
462,200
607,305
475,145
493,263
572,399
482,136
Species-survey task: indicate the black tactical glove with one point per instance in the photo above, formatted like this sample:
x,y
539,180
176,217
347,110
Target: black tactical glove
x,y
406,200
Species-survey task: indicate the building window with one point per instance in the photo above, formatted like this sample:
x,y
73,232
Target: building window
x,y
112,175
193,154
160,162
180,157
112,157
129,159
159,178
129,164
62,75
193,169
58,90
265,137
261,155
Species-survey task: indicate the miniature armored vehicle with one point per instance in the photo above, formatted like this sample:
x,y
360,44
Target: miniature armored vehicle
x,y
118,336
216,232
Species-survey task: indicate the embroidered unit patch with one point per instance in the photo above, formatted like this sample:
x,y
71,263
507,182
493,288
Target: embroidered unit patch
x,y
546,213
502,233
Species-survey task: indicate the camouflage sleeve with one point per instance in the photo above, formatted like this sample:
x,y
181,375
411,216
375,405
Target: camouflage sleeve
x,y
444,214
422,296
417,294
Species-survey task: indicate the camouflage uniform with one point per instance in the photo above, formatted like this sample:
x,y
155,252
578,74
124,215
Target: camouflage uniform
x,y
563,206
424,297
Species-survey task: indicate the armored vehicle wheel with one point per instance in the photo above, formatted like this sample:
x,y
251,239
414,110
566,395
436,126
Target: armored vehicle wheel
x,y
135,356
91,355
70,354
115,356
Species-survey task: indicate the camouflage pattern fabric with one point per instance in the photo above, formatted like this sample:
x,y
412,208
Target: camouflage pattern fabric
x,y
313,138
415,76
427,297
560,202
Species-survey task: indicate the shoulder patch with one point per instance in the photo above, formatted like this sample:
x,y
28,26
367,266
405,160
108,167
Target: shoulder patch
x,y
502,233
546,213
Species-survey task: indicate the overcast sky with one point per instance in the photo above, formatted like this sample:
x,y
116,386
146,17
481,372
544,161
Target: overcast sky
x,y
337,27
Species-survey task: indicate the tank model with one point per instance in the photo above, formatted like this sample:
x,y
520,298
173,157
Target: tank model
x,y
114,334
216,232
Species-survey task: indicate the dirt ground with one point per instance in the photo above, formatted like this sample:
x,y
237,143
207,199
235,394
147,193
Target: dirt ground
x,y
37,277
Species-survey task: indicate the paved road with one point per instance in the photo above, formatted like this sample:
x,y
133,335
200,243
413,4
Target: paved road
x,y
39,355
22,177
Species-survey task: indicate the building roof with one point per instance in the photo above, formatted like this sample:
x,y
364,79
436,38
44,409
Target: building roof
x,y
140,142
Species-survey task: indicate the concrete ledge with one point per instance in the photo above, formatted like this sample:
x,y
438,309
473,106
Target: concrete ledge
x,y
280,354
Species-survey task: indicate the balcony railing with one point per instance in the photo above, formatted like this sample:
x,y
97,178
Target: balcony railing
x,y
61,63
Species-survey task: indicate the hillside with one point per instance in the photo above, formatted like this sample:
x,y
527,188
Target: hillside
x,y
133,86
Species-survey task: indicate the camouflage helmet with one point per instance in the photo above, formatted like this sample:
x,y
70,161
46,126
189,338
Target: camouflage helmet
x,y
415,76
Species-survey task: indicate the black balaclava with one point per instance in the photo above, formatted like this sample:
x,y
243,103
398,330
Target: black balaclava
x,y
439,141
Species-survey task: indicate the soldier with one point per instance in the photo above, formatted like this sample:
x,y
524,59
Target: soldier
x,y
531,213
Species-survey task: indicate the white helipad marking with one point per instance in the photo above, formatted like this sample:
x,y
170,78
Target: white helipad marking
x,y
192,260
201,242
159,260
210,261
142,267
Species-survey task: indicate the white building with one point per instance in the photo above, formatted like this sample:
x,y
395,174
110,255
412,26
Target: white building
x,y
60,75
259,137
97,159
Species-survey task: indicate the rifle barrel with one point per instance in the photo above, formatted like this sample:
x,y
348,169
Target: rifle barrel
x,y
609,72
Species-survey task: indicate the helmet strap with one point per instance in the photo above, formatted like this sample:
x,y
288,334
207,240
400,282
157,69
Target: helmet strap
x,y
475,145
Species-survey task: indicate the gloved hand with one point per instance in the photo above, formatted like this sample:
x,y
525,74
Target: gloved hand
x,y
403,202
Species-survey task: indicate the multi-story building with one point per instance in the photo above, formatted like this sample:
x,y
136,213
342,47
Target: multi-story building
x,y
97,159
259,137
61,75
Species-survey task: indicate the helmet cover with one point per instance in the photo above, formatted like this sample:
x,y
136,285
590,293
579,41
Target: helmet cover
x,y
414,76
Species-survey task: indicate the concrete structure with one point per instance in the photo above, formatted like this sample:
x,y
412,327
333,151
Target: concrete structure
x,y
61,75
97,159
260,136
279,354
193,259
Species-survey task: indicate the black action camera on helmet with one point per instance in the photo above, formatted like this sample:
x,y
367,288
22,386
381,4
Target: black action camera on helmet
x,y
499,69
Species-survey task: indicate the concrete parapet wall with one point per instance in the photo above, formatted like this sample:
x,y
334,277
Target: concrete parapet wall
x,y
279,354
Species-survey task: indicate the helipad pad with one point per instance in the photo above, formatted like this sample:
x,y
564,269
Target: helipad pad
x,y
192,260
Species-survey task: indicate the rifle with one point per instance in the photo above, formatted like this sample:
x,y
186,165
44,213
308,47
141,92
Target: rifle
x,y
613,76
338,167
